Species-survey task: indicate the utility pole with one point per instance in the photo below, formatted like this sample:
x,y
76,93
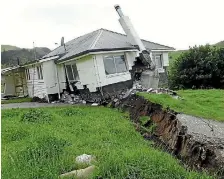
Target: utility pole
x,y
35,58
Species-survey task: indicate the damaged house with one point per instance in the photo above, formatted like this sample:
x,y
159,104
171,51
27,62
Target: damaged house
x,y
100,62
99,65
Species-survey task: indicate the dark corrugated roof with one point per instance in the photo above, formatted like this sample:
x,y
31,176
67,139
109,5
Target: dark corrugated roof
x,y
99,40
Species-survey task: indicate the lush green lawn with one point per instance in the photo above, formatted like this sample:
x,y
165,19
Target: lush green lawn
x,y
204,103
16,100
43,143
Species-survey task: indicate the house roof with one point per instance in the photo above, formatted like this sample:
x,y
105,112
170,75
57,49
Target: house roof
x,y
99,40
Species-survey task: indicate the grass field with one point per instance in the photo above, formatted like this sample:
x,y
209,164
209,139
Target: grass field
x,y
16,100
43,143
203,103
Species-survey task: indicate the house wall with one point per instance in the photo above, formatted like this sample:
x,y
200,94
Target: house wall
x,y
92,72
165,58
9,85
87,72
21,84
14,83
118,77
35,86
50,77
61,76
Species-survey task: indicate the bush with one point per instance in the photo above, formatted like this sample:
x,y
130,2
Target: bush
x,y
71,112
199,67
36,116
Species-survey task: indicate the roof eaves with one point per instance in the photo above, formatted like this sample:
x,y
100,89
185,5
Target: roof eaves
x,y
92,50
171,48
29,63
5,70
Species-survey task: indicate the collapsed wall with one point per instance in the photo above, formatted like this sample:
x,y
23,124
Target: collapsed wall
x,y
197,142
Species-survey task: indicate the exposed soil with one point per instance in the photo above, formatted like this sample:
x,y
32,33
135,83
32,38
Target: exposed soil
x,y
198,142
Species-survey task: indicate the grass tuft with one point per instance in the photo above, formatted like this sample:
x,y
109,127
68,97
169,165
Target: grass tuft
x,y
36,116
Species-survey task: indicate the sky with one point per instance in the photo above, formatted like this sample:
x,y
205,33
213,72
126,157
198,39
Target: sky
x,y
176,23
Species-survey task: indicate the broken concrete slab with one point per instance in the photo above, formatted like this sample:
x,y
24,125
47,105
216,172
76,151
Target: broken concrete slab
x,y
80,174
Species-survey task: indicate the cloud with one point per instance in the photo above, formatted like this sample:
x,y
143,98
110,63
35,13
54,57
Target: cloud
x,y
175,23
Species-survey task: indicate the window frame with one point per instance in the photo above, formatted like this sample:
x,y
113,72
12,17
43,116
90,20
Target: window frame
x,y
115,65
75,76
39,72
27,72
160,61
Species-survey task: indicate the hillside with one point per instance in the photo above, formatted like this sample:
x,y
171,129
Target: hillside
x,y
220,44
175,54
10,53
8,47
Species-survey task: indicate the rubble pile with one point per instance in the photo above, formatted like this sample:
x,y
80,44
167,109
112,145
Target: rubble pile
x,y
66,97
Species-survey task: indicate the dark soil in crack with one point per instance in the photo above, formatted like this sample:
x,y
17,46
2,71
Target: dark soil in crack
x,y
199,143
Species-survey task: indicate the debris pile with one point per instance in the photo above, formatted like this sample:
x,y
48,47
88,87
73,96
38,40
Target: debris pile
x,y
101,98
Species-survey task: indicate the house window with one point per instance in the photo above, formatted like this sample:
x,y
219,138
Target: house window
x,y
158,60
114,64
39,72
27,71
72,72
3,87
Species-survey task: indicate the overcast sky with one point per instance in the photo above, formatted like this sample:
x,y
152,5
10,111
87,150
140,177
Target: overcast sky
x,y
176,23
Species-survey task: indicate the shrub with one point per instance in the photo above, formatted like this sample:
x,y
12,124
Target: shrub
x,y
14,134
199,67
71,112
36,116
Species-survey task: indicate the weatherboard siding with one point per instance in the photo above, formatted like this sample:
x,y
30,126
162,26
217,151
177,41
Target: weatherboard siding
x,y
61,77
86,68
35,86
50,77
117,77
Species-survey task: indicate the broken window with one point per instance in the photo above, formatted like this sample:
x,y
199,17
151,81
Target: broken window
x,y
157,59
27,71
72,72
39,72
114,64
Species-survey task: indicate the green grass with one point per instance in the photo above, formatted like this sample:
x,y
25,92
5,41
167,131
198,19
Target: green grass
x,y
16,100
43,143
203,103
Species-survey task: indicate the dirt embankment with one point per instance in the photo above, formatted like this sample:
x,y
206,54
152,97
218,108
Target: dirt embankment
x,y
199,143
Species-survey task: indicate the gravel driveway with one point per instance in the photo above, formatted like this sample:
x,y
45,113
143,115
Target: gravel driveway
x,y
30,105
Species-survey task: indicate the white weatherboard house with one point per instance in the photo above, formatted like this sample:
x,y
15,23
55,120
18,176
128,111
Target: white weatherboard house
x,y
92,61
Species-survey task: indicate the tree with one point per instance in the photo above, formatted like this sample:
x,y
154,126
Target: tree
x,y
199,67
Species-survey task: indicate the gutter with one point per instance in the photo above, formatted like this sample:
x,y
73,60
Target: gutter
x,y
87,52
